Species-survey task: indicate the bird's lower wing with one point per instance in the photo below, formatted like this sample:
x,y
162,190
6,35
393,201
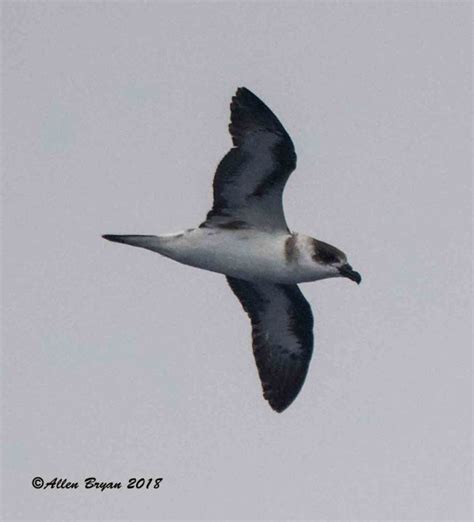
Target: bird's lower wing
x,y
282,335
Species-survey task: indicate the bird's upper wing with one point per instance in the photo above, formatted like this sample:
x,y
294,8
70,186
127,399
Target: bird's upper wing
x,y
249,181
282,335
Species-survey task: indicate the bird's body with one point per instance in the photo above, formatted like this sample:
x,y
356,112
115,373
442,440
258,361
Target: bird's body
x,y
248,254
245,237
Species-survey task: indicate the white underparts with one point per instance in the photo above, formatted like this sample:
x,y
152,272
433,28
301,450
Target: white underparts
x,y
246,254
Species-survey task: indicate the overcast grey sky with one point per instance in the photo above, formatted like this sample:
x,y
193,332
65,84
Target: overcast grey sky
x,y
120,363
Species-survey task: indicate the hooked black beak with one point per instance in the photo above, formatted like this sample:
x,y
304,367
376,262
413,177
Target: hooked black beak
x,y
346,271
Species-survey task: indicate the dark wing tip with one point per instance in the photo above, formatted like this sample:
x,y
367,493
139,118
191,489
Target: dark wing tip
x,y
279,405
242,93
280,395
244,99
280,398
249,113
242,90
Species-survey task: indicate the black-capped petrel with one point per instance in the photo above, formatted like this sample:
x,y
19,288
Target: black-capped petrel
x,y
246,238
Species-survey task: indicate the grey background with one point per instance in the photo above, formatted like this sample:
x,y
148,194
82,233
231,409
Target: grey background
x,y
119,363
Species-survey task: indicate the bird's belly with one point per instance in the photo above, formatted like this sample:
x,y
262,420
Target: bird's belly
x,y
241,254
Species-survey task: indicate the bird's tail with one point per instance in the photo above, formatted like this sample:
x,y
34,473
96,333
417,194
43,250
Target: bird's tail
x,y
149,242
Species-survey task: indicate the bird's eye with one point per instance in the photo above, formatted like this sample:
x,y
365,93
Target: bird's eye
x,y
325,257
328,258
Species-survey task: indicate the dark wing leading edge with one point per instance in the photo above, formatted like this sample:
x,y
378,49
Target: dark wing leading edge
x,y
282,335
250,179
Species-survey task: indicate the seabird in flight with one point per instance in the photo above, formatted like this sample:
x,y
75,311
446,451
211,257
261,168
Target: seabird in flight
x,y
246,238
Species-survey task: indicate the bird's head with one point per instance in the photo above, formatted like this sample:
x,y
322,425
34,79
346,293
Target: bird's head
x,y
333,261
